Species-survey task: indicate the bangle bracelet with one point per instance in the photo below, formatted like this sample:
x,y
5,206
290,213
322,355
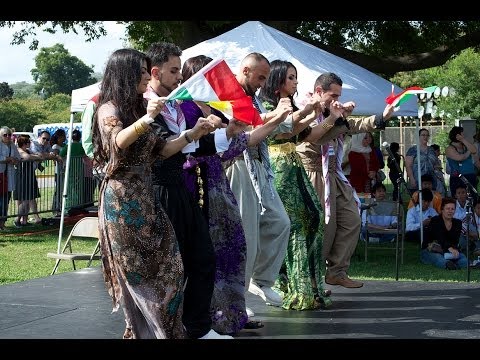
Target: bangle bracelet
x,y
188,138
326,126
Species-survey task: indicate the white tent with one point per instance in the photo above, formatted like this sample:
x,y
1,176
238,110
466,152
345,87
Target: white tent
x,y
360,85
80,98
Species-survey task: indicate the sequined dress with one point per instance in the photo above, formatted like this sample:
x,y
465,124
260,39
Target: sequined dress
x,y
142,266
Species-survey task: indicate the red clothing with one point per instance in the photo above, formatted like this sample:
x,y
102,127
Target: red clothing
x,y
359,170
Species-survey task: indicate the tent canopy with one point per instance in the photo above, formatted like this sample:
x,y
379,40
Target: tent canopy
x,y
81,96
367,89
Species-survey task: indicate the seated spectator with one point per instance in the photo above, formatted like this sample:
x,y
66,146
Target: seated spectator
x,y
441,246
363,163
461,204
412,227
427,183
473,231
378,221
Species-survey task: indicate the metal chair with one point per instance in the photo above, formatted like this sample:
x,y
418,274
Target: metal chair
x,y
86,227
386,208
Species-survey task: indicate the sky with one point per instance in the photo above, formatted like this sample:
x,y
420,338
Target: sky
x,y
16,61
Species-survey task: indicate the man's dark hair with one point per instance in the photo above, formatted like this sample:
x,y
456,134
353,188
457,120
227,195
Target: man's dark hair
x,y
326,80
426,177
427,195
159,52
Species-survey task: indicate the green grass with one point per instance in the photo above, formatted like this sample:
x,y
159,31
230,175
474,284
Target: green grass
x,y
381,266
23,256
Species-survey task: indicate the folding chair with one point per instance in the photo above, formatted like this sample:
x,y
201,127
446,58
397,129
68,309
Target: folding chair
x,y
387,208
86,227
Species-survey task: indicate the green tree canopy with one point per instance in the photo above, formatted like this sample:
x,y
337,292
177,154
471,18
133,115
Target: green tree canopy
x,y
6,92
460,74
384,47
59,72
22,114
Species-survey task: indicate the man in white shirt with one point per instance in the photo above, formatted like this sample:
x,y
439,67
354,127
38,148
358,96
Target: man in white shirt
x,y
412,227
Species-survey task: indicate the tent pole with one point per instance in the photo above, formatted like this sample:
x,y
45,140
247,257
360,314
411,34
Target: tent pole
x,y
65,182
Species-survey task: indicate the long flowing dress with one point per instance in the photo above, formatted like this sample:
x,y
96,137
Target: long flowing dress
x,y
302,288
220,208
142,266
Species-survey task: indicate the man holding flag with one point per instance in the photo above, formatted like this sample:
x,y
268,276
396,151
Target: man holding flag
x,y
172,195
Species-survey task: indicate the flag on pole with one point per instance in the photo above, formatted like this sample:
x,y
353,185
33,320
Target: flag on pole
x,y
397,100
216,85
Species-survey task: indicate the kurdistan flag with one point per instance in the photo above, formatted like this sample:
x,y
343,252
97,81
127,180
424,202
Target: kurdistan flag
x,y
216,85
397,100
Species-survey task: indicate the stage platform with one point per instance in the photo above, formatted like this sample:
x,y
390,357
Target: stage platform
x,y
75,305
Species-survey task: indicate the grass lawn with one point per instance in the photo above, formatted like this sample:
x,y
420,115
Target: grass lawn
x,y
23,253
23,256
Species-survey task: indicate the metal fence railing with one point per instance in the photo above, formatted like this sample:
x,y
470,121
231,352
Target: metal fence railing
x,y
38,188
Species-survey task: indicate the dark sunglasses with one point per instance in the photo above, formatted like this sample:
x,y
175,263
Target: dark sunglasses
x,y
45,138
7,135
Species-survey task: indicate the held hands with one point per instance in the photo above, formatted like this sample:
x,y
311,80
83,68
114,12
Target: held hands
x,y
203,126
283,109
154,107
348,108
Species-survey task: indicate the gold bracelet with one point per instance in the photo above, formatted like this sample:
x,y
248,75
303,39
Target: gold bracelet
x,y
326,126
139,129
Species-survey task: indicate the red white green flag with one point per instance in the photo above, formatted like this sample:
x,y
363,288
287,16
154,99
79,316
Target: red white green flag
x,y
397,100
216,85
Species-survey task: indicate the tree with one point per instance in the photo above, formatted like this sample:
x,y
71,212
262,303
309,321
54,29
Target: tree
x,y
384,47
57,108
6,92
461,74
59,72
22,114
23,90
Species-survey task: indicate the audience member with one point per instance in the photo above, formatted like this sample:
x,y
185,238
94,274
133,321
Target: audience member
x,y
441,246
460,160
438,171
412,226
394,165
26,185
363,163
9,157
427,183
378,221
57,141
76,175
427,159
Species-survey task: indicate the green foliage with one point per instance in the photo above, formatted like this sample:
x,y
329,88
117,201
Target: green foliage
x,y
461,73
57,108
22,114
58,72
24,90
6,92
441,138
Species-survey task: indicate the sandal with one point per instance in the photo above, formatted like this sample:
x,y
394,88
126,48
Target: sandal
x,y
253,324
128,333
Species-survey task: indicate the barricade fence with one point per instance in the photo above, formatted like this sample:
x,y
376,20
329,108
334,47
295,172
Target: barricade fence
x,y
38,188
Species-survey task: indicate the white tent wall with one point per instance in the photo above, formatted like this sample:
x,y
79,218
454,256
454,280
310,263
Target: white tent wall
x,y
367,89
80,97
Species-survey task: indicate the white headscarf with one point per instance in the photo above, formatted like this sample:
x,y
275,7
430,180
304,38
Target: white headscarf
x,y
357,145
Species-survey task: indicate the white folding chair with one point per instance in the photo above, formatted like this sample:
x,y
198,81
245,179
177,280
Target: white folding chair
x,y
86,227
